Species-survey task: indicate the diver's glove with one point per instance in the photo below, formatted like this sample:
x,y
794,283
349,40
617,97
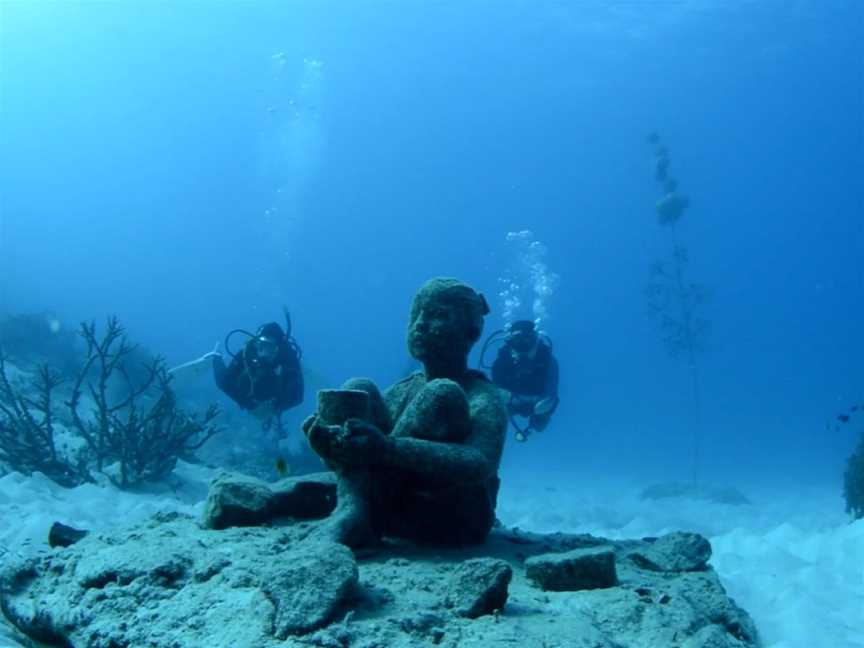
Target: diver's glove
x,y
545,407
522,435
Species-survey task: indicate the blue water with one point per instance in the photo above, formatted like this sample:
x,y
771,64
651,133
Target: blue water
x,y
192,167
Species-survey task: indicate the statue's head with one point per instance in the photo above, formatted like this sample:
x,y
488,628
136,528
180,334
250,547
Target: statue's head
x,y
446,321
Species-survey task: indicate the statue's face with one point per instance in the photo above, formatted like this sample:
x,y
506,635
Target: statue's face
x,y
446,320
437,331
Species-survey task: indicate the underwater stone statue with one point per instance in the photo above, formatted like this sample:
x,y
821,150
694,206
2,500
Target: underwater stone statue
x,y
420,462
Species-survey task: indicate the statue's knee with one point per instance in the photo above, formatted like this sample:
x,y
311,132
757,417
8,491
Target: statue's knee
x,y
443,393
361,384
440,412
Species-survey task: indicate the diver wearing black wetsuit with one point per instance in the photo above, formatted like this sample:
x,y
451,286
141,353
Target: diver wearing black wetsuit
x,y
527,369
265,377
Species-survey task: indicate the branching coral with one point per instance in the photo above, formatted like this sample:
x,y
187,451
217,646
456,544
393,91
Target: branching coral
x,y
143,438
145,441
676,302
105,357
148,443
27,430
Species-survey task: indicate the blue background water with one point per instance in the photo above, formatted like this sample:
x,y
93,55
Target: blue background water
x,y
192,167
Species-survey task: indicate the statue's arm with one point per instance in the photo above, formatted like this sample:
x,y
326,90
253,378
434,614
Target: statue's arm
x,y
434,459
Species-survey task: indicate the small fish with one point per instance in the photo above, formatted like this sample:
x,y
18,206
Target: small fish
x,y
843,418
282,467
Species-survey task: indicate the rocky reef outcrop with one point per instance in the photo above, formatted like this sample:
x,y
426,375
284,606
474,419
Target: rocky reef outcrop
x,y
175,581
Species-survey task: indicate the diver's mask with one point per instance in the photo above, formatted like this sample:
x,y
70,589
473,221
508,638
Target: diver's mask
x,y
266,349
522,339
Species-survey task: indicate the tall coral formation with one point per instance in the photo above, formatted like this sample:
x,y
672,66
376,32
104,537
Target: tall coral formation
x,y
853,478
672,297
28,439
853,482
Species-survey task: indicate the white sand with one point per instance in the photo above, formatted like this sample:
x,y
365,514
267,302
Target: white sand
x,y
794,562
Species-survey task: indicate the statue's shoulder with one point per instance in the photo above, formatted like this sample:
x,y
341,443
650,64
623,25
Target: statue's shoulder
x,y
477,383
412,380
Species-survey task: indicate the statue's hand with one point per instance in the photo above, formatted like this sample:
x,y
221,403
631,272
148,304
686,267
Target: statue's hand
x,y
356,443
363,443
321,436
308,422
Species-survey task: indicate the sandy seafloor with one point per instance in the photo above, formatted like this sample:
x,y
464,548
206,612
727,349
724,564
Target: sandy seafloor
x,y
793,560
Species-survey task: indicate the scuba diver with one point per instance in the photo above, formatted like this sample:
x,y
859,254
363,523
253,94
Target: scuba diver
x,y
264,377
527,370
